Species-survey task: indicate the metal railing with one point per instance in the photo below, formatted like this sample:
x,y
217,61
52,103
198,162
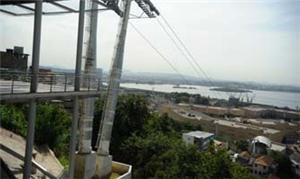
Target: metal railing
x,y
19,82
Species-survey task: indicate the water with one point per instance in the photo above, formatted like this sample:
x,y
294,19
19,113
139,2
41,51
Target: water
x,y
280,99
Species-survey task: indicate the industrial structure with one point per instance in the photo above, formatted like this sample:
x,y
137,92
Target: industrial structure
x,y
87,162
14,59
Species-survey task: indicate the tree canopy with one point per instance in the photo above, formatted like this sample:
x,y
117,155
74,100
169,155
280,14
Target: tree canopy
x,y
150,142
154,146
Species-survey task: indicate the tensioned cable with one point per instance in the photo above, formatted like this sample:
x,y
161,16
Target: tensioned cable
x,y
158,52
187,50
184,54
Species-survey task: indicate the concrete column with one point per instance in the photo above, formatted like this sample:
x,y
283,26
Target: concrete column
x,y
89,71
104,161
33,88
85,157
75,117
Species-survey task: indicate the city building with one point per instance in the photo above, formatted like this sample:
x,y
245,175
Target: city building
x,y
244,157
295,160
263,166
260,145
14,59
199,138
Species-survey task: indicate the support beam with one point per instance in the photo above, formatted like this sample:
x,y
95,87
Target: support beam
x,y
73,137
33,87
76,87
79,45
23,97
8,12
85,160
104,160
20,157
90,65
104,134
111,6
58,12
62,6
25,7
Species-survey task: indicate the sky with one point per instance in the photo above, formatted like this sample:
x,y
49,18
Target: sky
x,y
241,40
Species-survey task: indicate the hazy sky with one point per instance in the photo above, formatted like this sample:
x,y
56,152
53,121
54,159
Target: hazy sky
x,y
245,40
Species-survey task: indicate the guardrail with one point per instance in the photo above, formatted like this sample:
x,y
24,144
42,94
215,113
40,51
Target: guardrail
x,y
34,163
17,82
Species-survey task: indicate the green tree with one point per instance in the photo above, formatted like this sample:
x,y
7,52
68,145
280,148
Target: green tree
x,y
242,145
201,100
159,152
53,127
13,119
284,168
131,114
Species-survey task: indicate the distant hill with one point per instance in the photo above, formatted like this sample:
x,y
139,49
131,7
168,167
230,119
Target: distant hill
x,y
171,78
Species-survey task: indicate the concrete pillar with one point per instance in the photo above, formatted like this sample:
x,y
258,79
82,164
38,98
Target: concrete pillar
x,y
75,117
85,158
104,160
89,72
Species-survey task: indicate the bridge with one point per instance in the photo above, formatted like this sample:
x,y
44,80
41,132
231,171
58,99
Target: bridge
x,y
80,87
15,87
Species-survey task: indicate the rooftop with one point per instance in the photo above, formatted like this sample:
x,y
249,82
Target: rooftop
x,y
278,147
199,134
295,158
245,154
263,139
264,160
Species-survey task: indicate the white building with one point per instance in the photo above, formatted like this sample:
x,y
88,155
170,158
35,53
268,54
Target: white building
x,y
295,159
260,145
199,138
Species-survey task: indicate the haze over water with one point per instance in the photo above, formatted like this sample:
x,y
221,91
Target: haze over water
x,y
280,99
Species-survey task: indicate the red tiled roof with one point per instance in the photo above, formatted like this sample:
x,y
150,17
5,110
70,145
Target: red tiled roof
x,y
264,160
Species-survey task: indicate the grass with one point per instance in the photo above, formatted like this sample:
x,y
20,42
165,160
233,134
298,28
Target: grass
x,y
114,175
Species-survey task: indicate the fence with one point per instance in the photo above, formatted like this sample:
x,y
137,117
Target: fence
x,y
19,82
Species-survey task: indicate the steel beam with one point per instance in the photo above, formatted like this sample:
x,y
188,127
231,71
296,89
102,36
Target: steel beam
x,y
33,87
73,137
8,12
62,6
25,7
59,12
22,97
20,157
79,45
